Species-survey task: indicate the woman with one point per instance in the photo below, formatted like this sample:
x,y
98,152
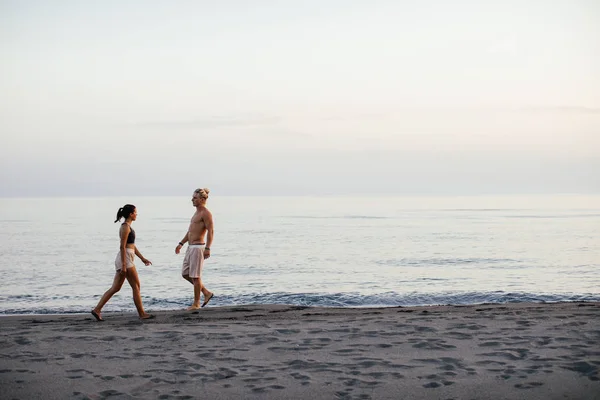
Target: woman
x,y
124,264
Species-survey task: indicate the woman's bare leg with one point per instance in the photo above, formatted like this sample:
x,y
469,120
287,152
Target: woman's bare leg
x,y
134,281
118,281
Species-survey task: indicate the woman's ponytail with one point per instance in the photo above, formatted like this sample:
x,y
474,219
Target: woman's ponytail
x,y
119,215
125,212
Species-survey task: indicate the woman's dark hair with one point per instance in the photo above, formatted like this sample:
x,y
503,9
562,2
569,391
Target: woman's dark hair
x,y
125,212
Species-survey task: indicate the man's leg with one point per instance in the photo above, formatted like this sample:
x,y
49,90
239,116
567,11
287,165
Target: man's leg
x,y
193,275
197,290
207,295
203,290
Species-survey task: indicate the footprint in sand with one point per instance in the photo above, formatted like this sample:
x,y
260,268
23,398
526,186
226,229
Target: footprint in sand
x,y
528,385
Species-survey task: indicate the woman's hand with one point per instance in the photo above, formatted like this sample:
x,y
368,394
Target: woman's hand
x,y
146,261
123,271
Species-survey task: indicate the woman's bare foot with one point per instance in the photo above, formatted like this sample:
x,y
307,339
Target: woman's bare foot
x,y
97,315
193,307
147,316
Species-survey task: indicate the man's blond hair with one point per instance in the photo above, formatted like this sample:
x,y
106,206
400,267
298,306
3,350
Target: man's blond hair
x,y
202,192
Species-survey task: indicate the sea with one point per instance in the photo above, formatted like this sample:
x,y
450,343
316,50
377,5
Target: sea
x,y
57,254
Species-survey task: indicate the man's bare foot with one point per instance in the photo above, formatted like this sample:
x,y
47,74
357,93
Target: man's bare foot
x,y
207,299
193,307
148,316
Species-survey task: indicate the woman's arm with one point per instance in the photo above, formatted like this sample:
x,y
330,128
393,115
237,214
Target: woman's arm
x,y
144,260
124,233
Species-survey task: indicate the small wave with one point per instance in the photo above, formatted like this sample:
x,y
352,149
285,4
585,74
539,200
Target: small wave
x,y
352,300
562,216
483,209
17,297
171,219
336,217
445,261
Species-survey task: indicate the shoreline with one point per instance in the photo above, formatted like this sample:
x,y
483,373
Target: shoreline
x,y
256,305
482,351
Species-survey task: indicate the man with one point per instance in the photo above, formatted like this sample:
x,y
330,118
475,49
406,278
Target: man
x,y
198,250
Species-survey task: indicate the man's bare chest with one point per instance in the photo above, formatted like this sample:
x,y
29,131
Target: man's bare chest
x,y
197,220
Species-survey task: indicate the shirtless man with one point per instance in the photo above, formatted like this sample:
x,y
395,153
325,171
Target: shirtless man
x,y
197,250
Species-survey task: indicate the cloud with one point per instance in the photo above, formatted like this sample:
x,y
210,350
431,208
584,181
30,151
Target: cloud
x,y
562,109
209,123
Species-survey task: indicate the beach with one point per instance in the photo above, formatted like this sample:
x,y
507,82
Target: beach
x,y
496,351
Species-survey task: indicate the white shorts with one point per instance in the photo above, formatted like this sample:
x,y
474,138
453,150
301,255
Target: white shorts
x,y
193,261
129,259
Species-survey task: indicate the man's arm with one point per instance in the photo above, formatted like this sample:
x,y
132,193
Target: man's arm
x,y
181,243
210,233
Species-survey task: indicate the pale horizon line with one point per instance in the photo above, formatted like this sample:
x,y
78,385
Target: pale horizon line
x,y
358,195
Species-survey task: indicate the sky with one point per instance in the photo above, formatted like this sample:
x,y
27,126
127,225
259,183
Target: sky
x,y
328,97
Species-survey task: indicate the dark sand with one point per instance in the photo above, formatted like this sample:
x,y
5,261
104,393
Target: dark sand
x,y
513,351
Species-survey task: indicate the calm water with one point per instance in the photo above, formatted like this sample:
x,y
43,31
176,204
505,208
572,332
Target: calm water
x,y
57,255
